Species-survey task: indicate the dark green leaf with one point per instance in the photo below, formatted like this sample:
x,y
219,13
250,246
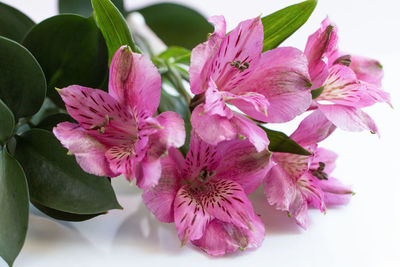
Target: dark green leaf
x,y
14,206
176,24
6,123
113,26
22,82
280,25
178,105
71,50
48,108
51,121
317,92
56,180
280,142
83,7
64,216
13,23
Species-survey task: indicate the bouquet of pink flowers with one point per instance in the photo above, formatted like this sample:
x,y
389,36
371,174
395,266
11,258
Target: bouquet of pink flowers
x,y
189,124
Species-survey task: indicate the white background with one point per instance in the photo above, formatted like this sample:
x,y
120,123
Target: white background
x,y
364,233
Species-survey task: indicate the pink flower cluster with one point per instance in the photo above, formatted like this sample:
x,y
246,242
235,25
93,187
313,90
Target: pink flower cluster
x,y
205,193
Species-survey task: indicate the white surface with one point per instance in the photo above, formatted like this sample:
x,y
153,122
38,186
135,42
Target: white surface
x,y
364,233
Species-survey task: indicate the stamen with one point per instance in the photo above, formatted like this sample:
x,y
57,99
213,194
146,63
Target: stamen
x,y
239,65
319,173
101,127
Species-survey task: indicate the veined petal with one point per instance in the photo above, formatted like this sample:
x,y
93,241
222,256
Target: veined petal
x,y
148,172
172,134
226,200
221,238
215,102
190,217
282,77
313,129
308,185
319,45
135,81
348,118
100,114
294,165
89,153
212,128
367,69
160,199
238,55
241,163
202,54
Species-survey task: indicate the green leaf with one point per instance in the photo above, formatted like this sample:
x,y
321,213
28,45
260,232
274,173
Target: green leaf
x,y
52,120
317,92
176,54
280,25
13,23
14,206
71,50
64,216
280,142
56,180
83,7
6,123
22,82
113,26
176,24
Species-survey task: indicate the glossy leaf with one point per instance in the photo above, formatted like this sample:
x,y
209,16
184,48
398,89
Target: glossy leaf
x,y
113,26
22,82
56,180
52,120
83,7
176,24
71,50
64,216
13,23
6,123
280,25
280,142
14,207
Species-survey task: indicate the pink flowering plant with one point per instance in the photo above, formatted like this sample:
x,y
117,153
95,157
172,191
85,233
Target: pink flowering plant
x,y
84,100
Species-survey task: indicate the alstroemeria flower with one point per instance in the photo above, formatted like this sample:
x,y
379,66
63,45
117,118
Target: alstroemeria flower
x,y
269,87
348,82
297,181
116,133
206,194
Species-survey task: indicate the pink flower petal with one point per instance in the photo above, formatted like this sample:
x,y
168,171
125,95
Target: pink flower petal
x,y
190,217
326,156
160,199
89,153
221,238
313,129
148,172
367,69
212,128
172,134
335,193
226,200
241,163
348,118
135,81
319,45
253,104
282,77
202,54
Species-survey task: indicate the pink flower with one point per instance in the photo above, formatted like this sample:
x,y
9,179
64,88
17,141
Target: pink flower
x,y
116,133
205,194
297,181
270,87
349,82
